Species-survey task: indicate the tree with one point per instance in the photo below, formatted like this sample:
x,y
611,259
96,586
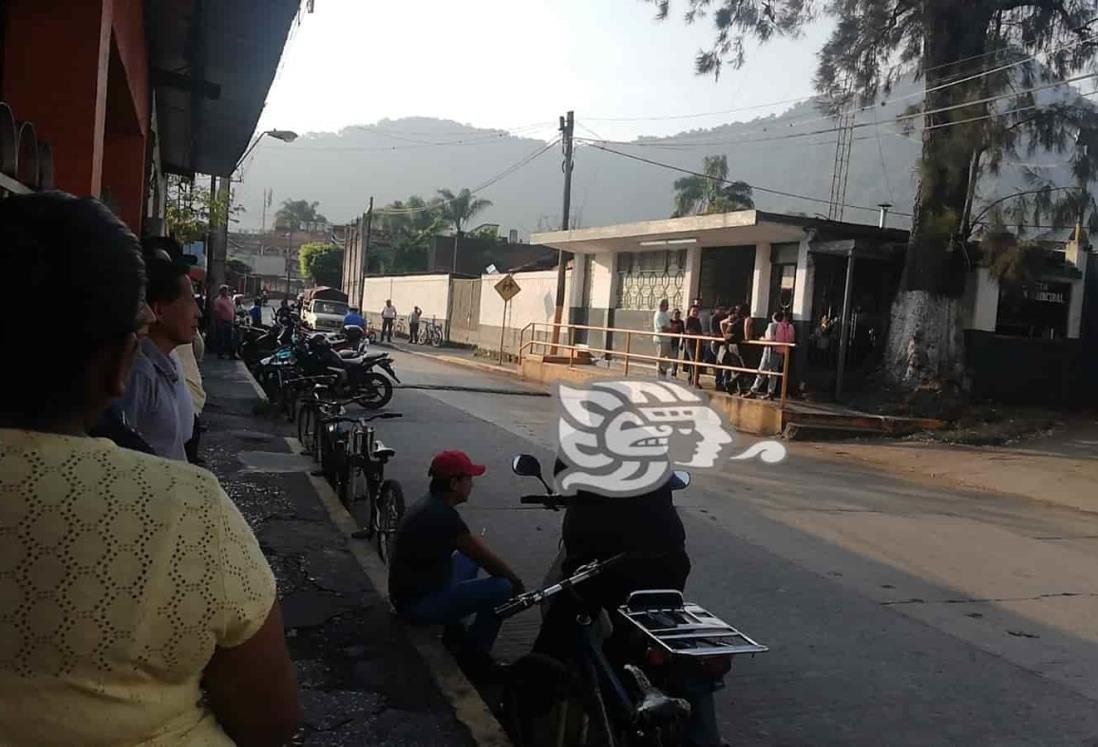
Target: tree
x,y
189,207
408,227
297,213
322,262
978,110
457,210
712,193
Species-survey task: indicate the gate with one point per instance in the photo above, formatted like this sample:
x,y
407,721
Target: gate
x,y
465,311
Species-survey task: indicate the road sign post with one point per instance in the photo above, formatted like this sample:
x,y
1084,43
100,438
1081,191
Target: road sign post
x,y
507,289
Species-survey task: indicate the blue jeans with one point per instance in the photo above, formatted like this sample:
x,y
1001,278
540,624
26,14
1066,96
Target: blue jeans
x,y
466,595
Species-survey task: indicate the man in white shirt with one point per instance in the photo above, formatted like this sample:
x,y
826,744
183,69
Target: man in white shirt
x,y
661,322
388,315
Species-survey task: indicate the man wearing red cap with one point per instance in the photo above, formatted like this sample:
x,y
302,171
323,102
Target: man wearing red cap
x,y
433,571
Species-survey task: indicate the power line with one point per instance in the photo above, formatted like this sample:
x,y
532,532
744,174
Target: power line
x,y
934,89
498,177
766,190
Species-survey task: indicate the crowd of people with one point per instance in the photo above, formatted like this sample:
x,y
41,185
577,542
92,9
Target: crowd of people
x,y
689,342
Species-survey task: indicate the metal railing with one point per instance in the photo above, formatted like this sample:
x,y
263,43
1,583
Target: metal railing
x,y
627,356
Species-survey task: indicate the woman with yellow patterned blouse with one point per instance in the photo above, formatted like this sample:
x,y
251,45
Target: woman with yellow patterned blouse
x,y
135,604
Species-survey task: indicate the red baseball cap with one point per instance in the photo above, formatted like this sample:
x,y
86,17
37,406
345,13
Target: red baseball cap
x,y
454,464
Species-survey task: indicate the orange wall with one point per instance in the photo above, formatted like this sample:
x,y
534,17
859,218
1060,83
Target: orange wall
x,y
61,60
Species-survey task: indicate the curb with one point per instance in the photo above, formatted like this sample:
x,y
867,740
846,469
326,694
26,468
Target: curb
x,y
456,361
469,708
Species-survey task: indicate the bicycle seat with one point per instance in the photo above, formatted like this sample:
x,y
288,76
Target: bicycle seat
x,y
381,451
653,705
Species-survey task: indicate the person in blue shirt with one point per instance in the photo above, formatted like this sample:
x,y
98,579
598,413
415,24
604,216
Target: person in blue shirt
x,y
354,318
256,313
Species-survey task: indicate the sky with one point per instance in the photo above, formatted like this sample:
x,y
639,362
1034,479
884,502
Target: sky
x,y
519,64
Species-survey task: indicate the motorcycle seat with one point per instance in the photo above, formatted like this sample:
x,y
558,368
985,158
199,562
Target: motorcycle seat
x,y
347,354
368,359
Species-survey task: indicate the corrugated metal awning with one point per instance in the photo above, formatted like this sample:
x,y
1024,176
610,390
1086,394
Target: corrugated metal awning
x,y
212,63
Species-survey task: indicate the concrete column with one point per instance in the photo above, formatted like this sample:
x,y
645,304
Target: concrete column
x,y
1076,255
985,301
692,276
578,278
760,282
806,275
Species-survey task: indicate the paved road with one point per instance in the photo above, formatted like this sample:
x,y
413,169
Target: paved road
x,y
895,613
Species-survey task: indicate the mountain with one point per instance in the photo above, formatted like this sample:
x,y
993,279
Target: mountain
x,y
792,153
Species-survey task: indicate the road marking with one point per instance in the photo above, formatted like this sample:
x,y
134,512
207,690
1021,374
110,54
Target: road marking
x,y
469,707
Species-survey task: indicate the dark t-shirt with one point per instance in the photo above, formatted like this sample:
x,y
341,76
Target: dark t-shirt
x,y
715,323
425,541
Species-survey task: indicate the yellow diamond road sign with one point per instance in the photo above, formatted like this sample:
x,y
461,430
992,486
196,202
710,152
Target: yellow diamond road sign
x,y
507,288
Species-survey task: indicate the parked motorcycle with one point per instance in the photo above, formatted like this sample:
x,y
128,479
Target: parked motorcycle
x,y
641,674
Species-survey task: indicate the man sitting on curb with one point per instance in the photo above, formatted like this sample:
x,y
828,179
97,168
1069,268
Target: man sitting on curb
x,y
433,571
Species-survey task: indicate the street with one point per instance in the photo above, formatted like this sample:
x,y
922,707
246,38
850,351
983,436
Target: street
x,y
895,613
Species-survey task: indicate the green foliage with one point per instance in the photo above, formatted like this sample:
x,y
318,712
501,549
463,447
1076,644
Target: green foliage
x,y
322,262
951,45
405,229
713,193
1010,260
191,211
457,210
294,214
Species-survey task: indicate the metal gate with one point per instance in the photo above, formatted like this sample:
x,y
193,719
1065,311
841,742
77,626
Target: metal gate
x,y
465,311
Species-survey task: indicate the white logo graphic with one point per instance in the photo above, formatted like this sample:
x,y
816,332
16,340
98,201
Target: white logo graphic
x,y
624,438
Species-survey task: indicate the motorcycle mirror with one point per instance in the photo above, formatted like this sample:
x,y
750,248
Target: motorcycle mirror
x,y
526,465
679,479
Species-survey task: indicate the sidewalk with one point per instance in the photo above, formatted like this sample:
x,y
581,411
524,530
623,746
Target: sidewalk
x,y
1060,468
362,680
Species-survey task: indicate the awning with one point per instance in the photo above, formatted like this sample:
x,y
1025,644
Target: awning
x,y
212,63
744,227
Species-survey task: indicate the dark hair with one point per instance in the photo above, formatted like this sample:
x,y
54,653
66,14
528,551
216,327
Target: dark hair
x,y
779,316
440,485
60,246
163,272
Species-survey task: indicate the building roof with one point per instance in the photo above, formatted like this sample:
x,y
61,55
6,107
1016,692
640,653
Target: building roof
x,y
743,227
212,62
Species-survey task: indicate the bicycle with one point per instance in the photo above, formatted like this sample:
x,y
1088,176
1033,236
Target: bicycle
x,y
431,334
362,478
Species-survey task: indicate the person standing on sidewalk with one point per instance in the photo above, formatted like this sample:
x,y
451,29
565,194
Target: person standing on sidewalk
x,y
413,324
157,402
436,559
773,359
719,315
678,327
190,358
661,323
224,314
693,350
163,621
388,316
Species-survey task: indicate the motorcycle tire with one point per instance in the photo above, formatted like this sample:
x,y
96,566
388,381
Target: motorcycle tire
x,y
373,391
389,509
436,340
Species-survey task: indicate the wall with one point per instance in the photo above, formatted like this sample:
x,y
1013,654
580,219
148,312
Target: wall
x,y
79,72
536,302
430,292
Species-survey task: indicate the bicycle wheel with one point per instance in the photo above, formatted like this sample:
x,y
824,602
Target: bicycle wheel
x,y
306,428
374,391
436,337
389,511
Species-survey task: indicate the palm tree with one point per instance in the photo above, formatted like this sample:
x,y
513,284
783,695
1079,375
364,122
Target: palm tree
x,y
712,193
457,210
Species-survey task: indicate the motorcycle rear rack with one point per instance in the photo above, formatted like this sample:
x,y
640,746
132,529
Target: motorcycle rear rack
x,y
684,628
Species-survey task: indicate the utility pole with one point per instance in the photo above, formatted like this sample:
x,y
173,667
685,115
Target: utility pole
x,y
289,247
367,224
567,125
219,233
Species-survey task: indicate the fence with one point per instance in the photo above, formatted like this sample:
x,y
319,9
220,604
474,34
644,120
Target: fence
x,y
540,334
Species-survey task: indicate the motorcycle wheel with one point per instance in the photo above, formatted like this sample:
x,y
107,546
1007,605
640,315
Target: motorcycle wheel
x,y
389,509
436,339
374,391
